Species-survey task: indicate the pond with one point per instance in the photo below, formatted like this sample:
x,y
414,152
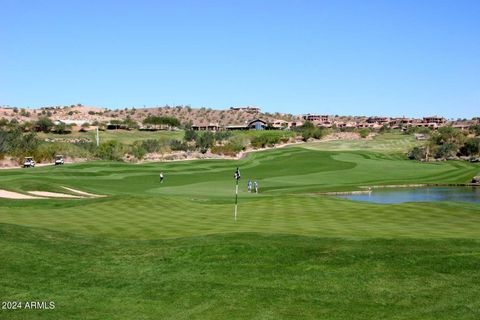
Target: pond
x,y
424,194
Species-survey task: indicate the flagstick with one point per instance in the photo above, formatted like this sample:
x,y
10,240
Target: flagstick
x,y
236,198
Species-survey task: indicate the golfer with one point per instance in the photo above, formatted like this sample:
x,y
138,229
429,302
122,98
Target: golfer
x,y
249,185
255,186
161,177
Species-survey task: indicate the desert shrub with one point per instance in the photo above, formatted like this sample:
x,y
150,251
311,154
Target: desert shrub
x,y
417,153
313,132
205,141
266,139
471,147
177,145
364,132
222,135
137,150
475,129
445,150
384,129
8,141
190,135
27,144
151,145
110,150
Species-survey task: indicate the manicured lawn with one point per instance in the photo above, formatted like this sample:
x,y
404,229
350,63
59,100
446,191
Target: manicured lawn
x,y
172,250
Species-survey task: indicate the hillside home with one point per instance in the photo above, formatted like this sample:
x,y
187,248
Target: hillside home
x,y
257,124
434,119
316,118
280,124
206,127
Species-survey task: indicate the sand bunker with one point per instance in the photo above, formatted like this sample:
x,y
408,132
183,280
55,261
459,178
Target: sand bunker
x,y
83,193
15,195
53,194
48,195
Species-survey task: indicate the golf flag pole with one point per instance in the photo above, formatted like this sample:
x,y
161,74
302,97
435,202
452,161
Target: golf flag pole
x,y
237,177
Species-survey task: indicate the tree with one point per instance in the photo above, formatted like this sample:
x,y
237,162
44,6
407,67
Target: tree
x,y
44,124
110,150
476,129
417,153
190,135
205,141
471,147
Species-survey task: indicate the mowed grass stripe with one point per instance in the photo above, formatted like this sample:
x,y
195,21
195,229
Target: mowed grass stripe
x,y
242,275
146,218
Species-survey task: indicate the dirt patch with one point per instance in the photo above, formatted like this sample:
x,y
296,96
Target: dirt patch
x,y
15,195
9,163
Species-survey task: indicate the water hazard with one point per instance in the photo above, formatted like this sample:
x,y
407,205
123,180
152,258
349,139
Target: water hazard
x,y
427,194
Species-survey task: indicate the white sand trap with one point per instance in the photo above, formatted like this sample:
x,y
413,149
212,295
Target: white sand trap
x,y
83,192
15,195
53,194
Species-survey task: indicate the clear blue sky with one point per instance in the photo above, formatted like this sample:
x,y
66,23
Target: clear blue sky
x,y
385,57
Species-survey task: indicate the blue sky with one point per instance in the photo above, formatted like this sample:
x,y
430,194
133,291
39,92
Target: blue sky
x,y
386,57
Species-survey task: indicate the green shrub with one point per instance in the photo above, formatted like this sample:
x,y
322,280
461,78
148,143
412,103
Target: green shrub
x,y
138,151
190,135
364,132
177,145
445,150
205,141
110,150
471,147
417,153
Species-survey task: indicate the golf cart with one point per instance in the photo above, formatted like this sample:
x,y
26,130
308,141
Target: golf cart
x,y
28,162
59,160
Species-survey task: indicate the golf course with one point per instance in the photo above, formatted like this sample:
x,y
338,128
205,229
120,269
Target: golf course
x,y
140,249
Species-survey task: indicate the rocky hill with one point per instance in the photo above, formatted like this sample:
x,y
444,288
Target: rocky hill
x,y
185,114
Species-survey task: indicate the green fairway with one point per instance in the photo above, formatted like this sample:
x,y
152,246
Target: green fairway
x,y
149,250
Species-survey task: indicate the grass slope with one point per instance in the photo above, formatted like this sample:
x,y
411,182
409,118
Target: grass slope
x,y
241,276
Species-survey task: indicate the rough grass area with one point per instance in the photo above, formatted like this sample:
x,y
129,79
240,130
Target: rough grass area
x,y
386,143
172,250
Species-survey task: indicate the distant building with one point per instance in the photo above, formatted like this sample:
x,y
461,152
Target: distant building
x,y
257,124
206,127
248,108
236,127
280,124
70,122
379,120
316,118
434,119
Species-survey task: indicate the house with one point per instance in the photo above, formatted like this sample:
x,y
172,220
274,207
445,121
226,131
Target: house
x,y
379,120
257,124
248,109
434,119
316,118
236,127
294,124
280,124
206,127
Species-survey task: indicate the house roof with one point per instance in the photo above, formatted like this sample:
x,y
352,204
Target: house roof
x,y
257,120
